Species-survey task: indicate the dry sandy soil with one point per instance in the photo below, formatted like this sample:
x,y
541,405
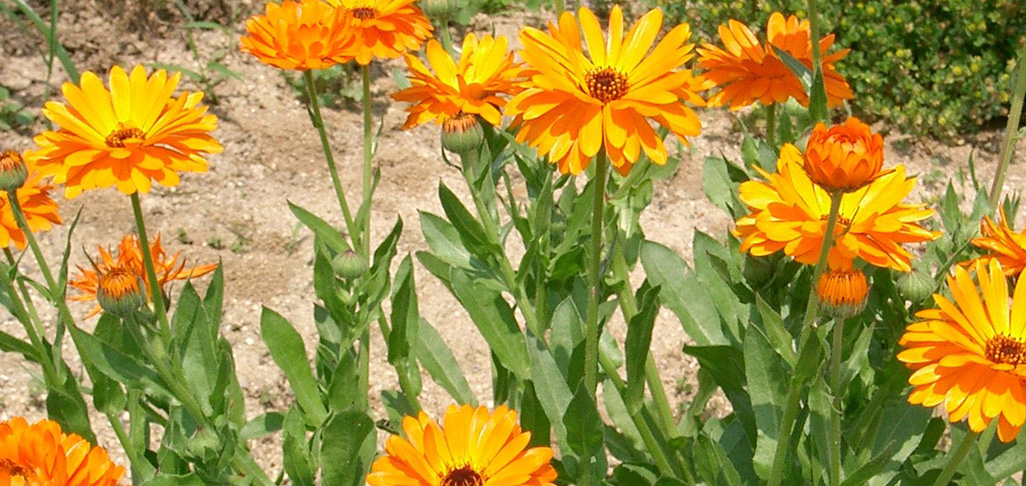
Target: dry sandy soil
x,y
272,156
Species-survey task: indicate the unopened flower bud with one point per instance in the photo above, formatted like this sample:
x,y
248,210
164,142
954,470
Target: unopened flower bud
x,y
12,170
118,292
462,133
842,292
440,10
349,265
916,286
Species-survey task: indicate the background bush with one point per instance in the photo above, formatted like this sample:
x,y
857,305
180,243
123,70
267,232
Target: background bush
x,y
935,67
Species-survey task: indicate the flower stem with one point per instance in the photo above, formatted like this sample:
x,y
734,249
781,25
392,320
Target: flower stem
x,y
19,216
794,395
1011,130
559,7
160,307
836,413
318,123
771,125
594,279
26,313
813,7
955,458
367,155
443,27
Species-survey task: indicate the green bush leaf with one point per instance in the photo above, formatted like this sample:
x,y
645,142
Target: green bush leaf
x,y
681,292
549,385
262,425
440,363
343,448
298,462
289,353
496,322
637,344
329,234
583,425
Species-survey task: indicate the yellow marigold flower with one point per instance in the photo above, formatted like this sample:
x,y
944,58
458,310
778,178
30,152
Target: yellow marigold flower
x,y
843,290
789,213
474,85
575,104
303,35
41,454
747,71
128,136
970,354
129,257
40,210
1003,245
383,29
474,448
843,157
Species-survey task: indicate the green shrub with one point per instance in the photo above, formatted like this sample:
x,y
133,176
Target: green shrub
x,y
934,67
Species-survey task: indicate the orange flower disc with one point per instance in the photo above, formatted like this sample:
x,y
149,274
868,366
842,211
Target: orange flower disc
x,y
41,454
789,213
747,71
129,257
298,35
575,105
1002,244
40,210
127,136
383,29
969,355
474,448
474,85
843,157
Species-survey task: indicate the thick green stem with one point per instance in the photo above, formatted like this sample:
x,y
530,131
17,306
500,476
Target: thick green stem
x,y
558,4
443,28
367,155
794,394
29,304
1011,130
159,306
771,125
594,278
955,458
813,6
836,387
318,123
30,321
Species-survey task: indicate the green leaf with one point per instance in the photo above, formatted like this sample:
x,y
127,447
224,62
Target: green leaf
x,y
681,292
299,465
118,365
495,321
444,241
719,187
637,344
441,364
11,344
342,448
549,385
799,69
65,405
583,425
289,353
472,234
405,314
195,337
781,340
190,479
818,98
533,417
262,425
767,386
329,234
711,462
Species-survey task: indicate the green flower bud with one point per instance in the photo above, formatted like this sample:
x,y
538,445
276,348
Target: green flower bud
x,y
440,10
12,171
118,292
462,133
349,265
916,286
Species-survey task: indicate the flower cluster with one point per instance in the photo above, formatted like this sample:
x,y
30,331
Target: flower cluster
x,y
41,454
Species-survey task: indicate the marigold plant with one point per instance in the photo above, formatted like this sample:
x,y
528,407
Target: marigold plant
x,y
474,447
129,258
789,213
41,454
127,136
747,71
298,35
576,104
383,29
474,85
969,355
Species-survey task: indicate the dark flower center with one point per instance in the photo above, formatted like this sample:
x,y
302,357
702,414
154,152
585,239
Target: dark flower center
x,y
118,137
365,13
606,84
1004,349
464,476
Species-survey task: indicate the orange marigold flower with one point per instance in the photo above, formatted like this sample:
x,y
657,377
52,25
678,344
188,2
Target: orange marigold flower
x,y
789,214
474,85
843,157
129,257
474,448
41,454
970,354
383,29
39,209
747,71
843,290
298,35
1003,244
575,104
128,136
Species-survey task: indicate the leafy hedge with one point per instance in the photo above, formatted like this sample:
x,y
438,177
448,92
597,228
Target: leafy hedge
x,y
935,67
